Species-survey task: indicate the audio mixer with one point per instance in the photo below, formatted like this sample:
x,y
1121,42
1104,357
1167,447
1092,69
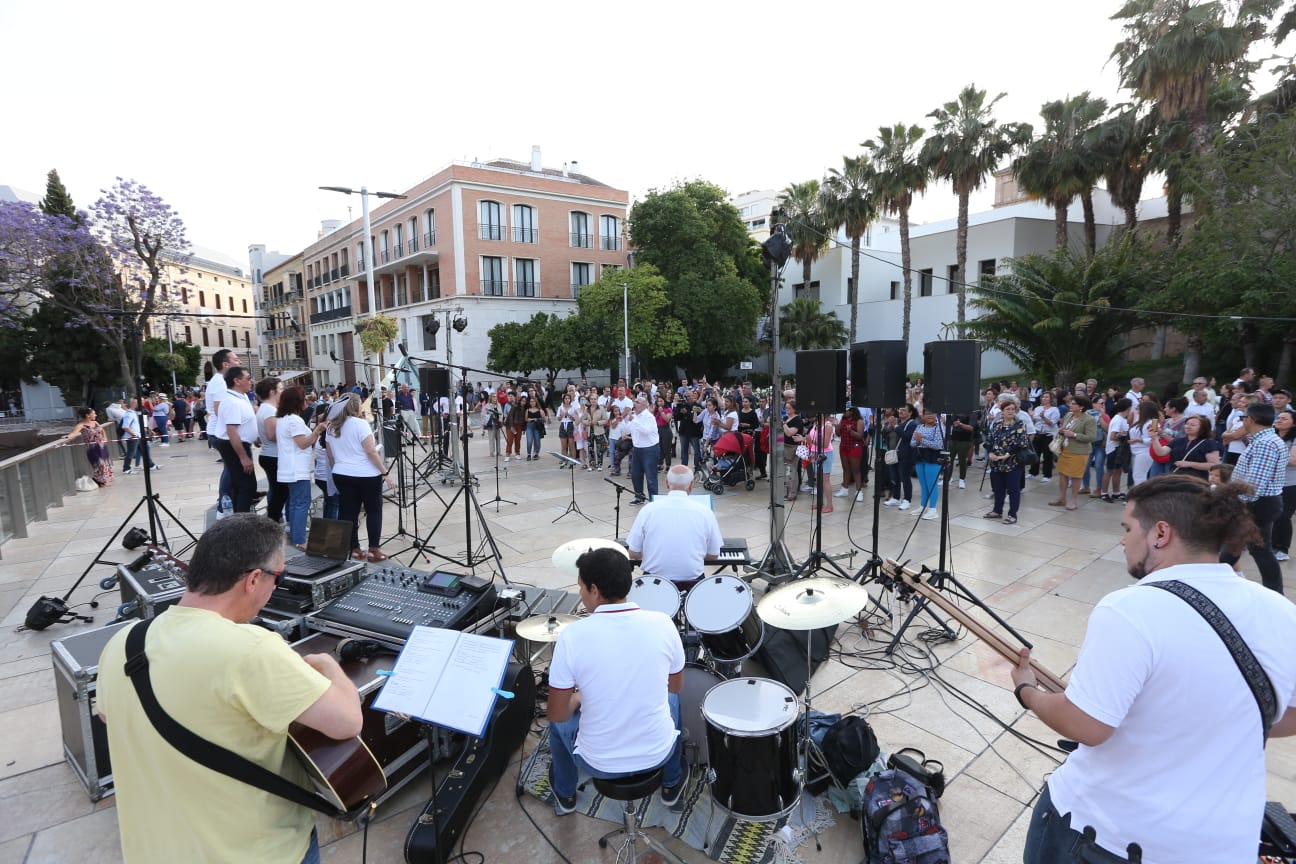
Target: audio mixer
x,y
392,600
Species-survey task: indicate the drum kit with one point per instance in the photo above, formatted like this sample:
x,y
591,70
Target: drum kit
x,y
751,733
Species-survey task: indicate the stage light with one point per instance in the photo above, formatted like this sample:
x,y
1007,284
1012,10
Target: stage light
x,y
460,324
432,326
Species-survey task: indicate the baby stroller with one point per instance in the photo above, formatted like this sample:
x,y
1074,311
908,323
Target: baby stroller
x,y
730,462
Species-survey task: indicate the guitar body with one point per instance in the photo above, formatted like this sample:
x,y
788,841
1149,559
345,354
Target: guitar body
x,y
344,772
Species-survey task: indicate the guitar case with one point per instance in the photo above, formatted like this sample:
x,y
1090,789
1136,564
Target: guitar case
x,y
481,761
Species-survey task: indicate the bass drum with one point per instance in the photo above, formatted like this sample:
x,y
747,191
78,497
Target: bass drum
x,y
721,609
655,593
751,743
698,681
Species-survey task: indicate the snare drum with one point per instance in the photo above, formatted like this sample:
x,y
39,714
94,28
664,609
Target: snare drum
x,y
721,609
698,681
751,743
655,593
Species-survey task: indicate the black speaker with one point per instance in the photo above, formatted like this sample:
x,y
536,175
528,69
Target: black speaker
x,y
821,382
434,381
952,376
877,373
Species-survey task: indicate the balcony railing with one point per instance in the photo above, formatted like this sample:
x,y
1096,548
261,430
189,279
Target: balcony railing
x,y
524,235
526,289
576,289
331,315
429,239
344,271
35,481
360,267
385,256
582,241
494,287
397,253
327,277
413,244
334,274
610,244
490,232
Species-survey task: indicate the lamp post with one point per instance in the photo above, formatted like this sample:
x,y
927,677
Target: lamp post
x,y
368,238
625,325
171,351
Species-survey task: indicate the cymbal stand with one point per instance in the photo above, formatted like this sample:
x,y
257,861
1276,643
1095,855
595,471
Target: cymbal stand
x,y
873,567
776,565
819,559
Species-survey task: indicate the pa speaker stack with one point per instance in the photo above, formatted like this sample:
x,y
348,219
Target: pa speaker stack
x,y
821,382
952,376
877,372
434,381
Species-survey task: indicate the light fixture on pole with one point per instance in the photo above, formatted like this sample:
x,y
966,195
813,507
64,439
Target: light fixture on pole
x,y
625,326
368,236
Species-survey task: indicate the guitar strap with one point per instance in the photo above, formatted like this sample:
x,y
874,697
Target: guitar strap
x,y
199,749
1256,678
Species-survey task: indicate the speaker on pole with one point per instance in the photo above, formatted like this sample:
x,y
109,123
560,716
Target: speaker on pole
x,y
952,376
821,382
434,381
877,373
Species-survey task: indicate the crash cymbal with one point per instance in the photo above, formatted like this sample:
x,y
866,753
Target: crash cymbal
x,y
564,557
807,604
544,628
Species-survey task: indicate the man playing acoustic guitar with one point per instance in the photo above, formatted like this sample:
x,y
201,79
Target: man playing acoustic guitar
x,y
234,684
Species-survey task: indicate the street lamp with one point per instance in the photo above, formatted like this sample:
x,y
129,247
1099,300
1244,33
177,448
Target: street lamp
x,y
368,235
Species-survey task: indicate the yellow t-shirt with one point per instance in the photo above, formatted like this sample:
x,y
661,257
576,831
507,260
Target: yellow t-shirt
x,y
237,685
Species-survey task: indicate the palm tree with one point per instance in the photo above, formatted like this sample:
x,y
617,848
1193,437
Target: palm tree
x,y
966,144
804,325
806,226
1174,51
899,174
1059,165
1123,143
847,198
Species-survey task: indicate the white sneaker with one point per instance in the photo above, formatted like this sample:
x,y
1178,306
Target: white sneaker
x,y
807,488
962,484
859,496
164,445
1282,556
904,505
890,502
841,493
931,514
920,511
1045,479
506,460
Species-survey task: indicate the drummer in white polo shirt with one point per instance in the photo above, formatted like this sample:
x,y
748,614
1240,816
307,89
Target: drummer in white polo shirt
x,y
673,536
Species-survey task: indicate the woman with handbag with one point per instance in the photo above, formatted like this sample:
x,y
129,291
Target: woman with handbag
x,y
1193,453
1005,440
819,441
1076,434
901,468
927,441
1141,434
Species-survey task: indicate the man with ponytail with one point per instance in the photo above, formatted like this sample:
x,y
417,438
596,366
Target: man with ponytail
x,y
1171,754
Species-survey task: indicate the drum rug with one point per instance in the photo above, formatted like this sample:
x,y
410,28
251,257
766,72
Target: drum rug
x,y
697,822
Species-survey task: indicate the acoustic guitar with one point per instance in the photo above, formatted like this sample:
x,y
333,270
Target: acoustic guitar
x,y
345,773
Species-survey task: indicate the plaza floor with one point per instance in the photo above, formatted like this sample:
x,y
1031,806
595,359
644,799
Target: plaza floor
x,y
1043,575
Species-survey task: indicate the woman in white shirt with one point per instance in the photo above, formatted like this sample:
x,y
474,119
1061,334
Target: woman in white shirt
x,y
1114,468
296,456
358,473
267,391
1141,433
1046,418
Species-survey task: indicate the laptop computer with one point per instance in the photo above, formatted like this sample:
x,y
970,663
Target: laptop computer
x,y
327,546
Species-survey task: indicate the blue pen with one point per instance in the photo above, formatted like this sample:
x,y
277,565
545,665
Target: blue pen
x,y
503,694
386,673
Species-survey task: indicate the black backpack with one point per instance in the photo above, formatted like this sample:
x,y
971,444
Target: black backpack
x,y
849,748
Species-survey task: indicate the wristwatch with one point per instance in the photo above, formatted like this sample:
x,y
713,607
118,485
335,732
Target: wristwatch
x,y
1018,690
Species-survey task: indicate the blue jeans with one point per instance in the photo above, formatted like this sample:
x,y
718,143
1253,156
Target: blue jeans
x,y
299,500
1097,460
1007,483
533,440
137,450
643,466
929,482
161,424
312,855
687,443
566,766
900,481
1158,468
1050,839
330,501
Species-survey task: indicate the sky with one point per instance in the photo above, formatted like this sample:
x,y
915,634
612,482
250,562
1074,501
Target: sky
x,y
235,112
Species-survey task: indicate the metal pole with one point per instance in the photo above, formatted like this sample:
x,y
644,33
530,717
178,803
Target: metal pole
x,y
171,350
369,262
625,324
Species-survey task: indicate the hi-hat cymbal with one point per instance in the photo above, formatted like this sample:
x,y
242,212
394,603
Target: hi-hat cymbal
x,y
544,628
564,557
807,604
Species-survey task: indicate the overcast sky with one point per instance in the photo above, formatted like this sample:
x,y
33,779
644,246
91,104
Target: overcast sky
x,y
235,112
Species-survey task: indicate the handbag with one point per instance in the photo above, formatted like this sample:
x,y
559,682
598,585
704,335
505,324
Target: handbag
x,y
1056,445
891,457
1156,457
802,452
1027,455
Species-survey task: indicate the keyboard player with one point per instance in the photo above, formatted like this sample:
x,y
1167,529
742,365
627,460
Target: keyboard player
x,y
674,537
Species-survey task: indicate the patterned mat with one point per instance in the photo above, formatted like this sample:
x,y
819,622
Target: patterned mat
x,y
696,821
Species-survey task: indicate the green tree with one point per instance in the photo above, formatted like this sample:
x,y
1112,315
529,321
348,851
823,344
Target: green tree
x,y
159,360
1058,314
508,349
849,202
807,224
1060,165
698,242
803,325
57,200
655,332
1123,143
900,172
966,144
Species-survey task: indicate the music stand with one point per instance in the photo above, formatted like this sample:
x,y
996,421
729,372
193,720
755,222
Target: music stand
x,y
818,558
572,506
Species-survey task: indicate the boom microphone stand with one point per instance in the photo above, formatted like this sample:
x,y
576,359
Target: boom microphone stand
x,y
872,568
818,558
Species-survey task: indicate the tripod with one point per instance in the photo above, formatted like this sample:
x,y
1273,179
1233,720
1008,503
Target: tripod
x,y
818,559
404,494
572,507
498,500
872,568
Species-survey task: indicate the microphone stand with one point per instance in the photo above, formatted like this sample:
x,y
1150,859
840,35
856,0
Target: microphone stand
x,y
818,558
497,500
620,490
872,568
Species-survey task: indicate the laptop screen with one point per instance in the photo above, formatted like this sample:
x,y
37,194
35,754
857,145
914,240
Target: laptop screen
x,y
329,538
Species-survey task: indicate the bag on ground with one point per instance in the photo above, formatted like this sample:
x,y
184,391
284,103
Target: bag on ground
x,y
901,823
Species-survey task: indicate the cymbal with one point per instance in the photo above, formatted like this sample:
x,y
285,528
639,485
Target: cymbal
x,y
807,604
544,628
564,557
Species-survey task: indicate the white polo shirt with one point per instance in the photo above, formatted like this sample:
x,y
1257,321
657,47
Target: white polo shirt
x,y
674,535
236,410
620,657
642,428
216,393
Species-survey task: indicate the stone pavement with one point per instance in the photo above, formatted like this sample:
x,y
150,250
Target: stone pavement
x,y
1043,575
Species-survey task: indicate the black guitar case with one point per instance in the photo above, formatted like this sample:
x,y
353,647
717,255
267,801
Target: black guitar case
x,y
478,764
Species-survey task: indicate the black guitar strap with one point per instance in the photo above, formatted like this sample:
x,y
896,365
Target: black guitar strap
x,y
1256,679
199,749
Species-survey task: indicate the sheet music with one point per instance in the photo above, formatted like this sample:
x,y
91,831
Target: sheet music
x,y
447,678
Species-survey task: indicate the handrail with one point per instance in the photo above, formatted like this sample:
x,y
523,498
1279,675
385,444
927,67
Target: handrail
x,y
38,479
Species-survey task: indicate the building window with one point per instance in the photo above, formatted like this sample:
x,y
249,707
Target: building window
x,y
233,338
580,277
490,224
493,283
206,341
611,268
220,337
895,290
610,233
951,279
525,283
245,306
384,249
413,235
986,267
188,334
580,231
524,222
429,226
925,282
402,290
202,298
400,241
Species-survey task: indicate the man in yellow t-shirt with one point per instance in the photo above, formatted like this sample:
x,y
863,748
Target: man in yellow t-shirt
x,y
238,686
